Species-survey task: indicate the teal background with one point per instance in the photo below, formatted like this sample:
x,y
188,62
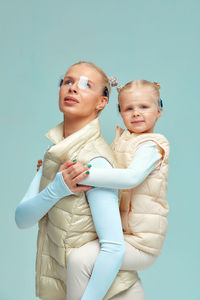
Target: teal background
x,y
154,40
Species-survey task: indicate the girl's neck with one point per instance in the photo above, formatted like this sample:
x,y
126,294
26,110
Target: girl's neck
x,y
71,125
138,133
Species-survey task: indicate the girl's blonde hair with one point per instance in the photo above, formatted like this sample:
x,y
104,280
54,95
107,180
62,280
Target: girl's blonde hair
x,y
107,82
155,86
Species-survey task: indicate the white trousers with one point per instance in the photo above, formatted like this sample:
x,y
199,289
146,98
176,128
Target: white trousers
x,y
81,263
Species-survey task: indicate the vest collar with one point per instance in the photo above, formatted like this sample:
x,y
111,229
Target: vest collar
x,y
125,133
68,148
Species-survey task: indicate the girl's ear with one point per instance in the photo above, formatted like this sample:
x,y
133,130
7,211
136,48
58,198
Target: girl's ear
x,y
102,103
159,114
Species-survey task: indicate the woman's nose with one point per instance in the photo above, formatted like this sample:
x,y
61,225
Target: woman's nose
x,y
73,88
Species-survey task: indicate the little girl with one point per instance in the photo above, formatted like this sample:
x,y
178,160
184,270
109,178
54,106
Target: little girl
x,y
143,204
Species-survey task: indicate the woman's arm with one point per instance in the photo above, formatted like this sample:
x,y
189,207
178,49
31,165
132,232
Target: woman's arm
x,y
145,160
105,213
35,205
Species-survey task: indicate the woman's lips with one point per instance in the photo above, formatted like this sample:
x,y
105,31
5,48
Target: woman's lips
x,y
70,100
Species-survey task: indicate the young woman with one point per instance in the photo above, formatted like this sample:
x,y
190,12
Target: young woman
x,y
64,214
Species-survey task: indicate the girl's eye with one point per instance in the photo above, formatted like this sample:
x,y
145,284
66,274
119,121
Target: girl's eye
x,y
144,106
129,108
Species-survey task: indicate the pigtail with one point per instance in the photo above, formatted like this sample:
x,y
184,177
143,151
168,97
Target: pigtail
x,y
119,88
113,81
156,85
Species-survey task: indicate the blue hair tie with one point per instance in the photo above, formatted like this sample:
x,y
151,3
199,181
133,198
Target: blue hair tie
x,y
160,103
105,92
61,82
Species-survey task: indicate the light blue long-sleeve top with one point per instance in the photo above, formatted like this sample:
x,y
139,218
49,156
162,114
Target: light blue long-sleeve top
x,y
103,204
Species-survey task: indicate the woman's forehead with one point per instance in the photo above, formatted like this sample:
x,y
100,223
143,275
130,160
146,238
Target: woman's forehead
x,y
84,70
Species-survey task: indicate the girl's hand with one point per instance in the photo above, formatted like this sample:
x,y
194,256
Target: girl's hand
x,y
73,172
39,164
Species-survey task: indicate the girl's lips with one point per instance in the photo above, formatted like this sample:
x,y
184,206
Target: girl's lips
x,y
135,122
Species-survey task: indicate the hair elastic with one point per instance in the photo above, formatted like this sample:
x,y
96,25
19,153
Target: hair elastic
x,y
160,103
113,81
105,92
60,82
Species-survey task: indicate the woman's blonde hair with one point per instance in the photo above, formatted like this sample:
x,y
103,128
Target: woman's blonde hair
x,y
155,86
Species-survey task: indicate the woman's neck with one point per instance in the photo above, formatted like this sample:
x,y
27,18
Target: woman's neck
x,y
72,125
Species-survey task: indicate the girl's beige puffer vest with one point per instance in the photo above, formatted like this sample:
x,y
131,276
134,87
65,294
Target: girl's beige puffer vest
x,y
144,209
69,223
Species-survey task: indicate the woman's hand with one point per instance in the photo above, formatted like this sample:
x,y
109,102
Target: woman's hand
x,y
73,172
39,164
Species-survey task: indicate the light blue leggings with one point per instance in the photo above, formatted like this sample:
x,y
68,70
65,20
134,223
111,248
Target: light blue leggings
x,y
106,217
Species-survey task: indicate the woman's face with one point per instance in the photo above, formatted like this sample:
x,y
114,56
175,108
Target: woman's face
x,y
81,92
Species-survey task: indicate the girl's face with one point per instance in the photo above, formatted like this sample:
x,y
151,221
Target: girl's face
x,y
81,92
139,109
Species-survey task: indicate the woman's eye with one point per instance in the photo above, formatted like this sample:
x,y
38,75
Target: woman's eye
x,y
86,85
67,82
83,84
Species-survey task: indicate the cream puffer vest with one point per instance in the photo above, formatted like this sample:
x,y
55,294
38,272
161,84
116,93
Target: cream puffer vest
x,y
144,208
69,223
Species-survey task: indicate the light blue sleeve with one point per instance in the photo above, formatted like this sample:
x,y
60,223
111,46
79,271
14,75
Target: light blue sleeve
x,y
35,205
105,213
145,160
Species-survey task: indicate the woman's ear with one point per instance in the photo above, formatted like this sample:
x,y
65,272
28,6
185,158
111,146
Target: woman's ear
x,y
102,103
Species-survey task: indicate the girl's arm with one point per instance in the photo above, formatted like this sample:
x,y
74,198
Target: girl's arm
x,y
145,160
105,213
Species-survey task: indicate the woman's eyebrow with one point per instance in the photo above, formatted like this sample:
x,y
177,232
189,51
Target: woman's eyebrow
x,y
91,82
69,77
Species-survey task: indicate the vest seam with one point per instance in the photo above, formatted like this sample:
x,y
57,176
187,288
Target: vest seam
x,y
141,247
48,255
141,213
135,232
55,243
53,278
50,221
